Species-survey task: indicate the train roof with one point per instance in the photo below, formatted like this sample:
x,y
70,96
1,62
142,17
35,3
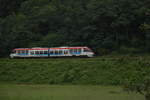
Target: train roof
x,y
42,48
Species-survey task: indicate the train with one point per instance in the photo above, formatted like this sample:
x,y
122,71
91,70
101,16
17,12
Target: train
x,y
38,52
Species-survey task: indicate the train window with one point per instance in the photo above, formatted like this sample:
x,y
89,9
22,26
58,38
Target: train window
x,y
60,52
41,52
19,52
23,51
27,51
37,52
14,51
45,52
71,50
65,52
75,50
87,50
56,52
51,52
79,50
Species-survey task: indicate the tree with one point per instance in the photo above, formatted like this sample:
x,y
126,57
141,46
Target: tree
x,y
8,7
101,24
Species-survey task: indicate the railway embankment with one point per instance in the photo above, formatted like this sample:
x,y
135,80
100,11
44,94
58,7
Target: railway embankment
x,y
99,71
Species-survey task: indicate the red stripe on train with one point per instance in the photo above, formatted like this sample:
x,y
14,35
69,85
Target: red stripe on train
x,y
50,48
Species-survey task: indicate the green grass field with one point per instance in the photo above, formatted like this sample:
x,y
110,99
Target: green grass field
x,y
71,78
65,92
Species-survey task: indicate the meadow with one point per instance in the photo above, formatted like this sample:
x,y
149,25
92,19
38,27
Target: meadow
x,y
99,78
65,92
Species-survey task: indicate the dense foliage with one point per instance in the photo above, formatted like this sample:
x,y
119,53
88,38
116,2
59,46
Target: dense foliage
x,y
142,87
104,71
106,26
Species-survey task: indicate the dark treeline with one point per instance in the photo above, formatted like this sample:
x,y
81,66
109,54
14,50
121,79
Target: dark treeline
x,y
106,26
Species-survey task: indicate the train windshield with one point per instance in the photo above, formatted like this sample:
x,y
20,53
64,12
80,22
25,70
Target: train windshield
x,y
87,50
13,51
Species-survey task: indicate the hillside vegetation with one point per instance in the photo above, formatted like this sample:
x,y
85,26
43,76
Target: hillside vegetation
x,y
106,26
104,71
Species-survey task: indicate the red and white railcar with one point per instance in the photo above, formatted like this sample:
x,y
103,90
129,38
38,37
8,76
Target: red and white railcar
x,y
52,52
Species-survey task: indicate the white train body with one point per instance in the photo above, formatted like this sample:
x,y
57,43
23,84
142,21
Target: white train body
x,y
52,52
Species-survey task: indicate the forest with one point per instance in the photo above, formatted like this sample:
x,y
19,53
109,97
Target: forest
x,y
106,26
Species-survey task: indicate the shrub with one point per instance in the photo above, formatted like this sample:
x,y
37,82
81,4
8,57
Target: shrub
x,y
106,71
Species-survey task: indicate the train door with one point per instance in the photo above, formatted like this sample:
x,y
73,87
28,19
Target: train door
x,y
66,52
31,52
45,53
51,52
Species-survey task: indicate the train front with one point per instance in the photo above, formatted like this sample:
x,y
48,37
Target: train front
x,y
13,54
88,52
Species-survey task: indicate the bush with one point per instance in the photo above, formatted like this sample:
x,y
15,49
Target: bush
x,y
142,87
127,50
140,82
102,51
106,71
